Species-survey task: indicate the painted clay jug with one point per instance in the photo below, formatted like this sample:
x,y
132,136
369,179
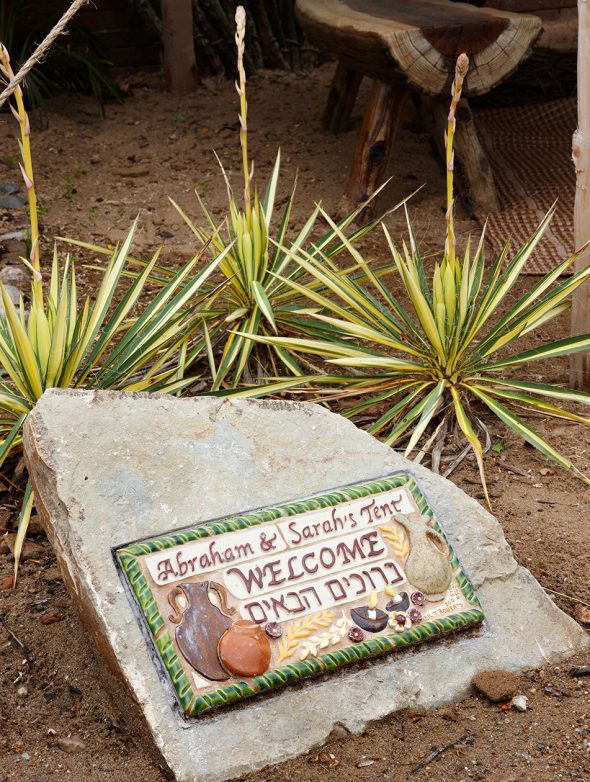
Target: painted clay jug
x,y
200,626
245,649
427,566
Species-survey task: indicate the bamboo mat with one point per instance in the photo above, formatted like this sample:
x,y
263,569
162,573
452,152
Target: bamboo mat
x,y
529,149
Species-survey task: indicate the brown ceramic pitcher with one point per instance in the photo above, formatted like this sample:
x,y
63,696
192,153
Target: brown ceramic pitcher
x,y
200,626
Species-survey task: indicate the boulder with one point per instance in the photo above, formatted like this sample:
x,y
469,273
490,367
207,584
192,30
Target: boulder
x,y
110,468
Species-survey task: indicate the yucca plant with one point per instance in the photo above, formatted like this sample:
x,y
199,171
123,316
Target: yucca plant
x,y
67,343
437,360
257,297
257,266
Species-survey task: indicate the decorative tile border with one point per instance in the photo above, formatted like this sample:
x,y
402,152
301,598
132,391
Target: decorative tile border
x,y
193,703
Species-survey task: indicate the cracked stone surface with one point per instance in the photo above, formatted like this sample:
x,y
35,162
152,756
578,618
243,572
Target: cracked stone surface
x,y
109,468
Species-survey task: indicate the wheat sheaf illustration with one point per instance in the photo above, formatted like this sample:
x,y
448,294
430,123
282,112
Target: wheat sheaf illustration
x,y
333,635
397,539
300,629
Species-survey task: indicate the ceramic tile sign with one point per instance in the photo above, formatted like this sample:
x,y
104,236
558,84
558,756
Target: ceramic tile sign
x,y
246,604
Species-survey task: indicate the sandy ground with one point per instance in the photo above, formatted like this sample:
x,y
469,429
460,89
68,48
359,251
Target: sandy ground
x,y
94,176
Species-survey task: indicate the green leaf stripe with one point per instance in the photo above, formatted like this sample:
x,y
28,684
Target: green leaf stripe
x,y
143,594
175,670
563,347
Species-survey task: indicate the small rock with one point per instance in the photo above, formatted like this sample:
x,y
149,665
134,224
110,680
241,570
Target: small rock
x,y
338,732
13,243
520,702
497,686
11,202
25,756
72,744
582,614
15,275
22,692
555,692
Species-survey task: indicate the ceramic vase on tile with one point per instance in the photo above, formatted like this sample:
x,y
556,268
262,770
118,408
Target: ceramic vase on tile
x,y
427,565
245,649
200,626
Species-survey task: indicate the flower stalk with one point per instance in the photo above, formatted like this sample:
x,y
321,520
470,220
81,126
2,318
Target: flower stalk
x,y
241,90
461,68
26,167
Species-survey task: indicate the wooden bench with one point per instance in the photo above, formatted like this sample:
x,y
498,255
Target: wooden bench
x,y
412,45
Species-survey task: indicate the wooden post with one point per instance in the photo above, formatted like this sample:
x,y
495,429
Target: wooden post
x,y
180,67
341,99
473,161
580,362
374,144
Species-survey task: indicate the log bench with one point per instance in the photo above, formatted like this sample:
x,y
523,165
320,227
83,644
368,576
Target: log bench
x,y
408,46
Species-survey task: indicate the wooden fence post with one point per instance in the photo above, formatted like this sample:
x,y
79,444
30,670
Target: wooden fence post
x,y
580,324
180,67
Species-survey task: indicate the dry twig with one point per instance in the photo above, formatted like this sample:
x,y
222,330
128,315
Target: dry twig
x,y
568,597
459,743
41,50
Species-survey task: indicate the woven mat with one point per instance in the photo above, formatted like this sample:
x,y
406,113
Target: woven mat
x,y
529,149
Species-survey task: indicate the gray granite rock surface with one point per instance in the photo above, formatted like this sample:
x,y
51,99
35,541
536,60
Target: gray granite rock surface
x,y
110,468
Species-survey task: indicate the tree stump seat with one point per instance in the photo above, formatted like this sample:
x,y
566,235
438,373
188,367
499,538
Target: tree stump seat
x,y
411,46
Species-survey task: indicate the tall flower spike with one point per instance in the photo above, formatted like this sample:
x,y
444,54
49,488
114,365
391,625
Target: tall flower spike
x,y
461,68
241,88
5,61
26,166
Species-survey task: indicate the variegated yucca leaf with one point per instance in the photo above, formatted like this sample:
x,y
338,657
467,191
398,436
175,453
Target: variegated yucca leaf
x,y
449,350
111,342
265,291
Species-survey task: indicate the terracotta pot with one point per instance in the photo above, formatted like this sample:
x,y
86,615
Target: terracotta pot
x,y
245,649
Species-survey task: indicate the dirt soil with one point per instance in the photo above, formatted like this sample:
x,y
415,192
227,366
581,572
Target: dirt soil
x,y
94,176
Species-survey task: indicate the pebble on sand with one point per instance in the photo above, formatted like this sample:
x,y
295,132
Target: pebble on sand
x,y
497,686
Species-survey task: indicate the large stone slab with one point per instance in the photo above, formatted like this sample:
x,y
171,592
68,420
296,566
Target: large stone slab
x,y
111,468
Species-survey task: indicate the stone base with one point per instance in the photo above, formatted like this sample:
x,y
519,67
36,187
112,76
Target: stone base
x,y
110,468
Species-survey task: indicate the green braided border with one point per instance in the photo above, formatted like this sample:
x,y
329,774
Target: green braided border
x,y
193,704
